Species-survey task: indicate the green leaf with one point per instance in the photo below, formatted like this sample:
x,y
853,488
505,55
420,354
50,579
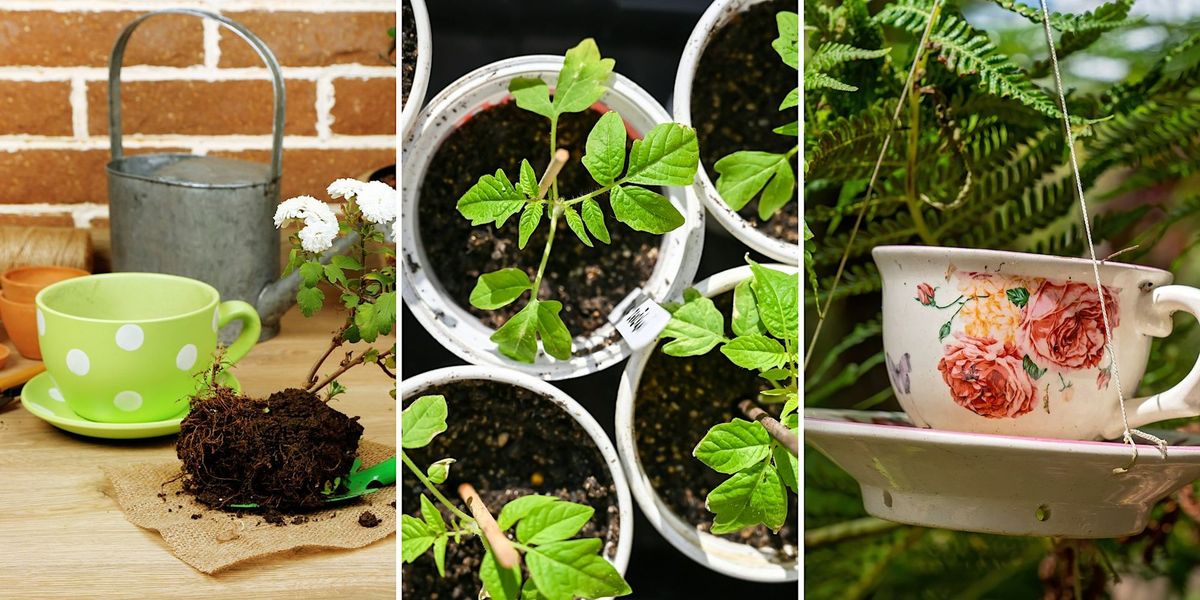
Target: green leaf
x,y
492,200
364,320
346,263
742,175
605,157
817,81
335,275
1018,296
756,352
439,554
788,468
752,496
644,210
788,42
499,288
792,100
422,420
746,320
556,339
668,155
553,522
500,583
791,129
517,339
415,538
309,300
944,331
432,516
593,217
697,327
311,272
576,225
581,81
439,471
531,217
530,591
1031,367
385,312
775,374
528,183
532,95
778,300
573,568
520,508
779,191
733,446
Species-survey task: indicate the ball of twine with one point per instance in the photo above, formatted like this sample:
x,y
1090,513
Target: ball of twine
x,y
58,246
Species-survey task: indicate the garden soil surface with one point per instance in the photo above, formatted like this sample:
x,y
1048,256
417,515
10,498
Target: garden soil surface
x,y
408,50
277,452
508,442
678,401
736,93
589,282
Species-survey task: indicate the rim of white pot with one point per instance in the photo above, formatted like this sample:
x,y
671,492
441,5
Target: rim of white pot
x,y
463,333
723,556
713,19
415,385
416,94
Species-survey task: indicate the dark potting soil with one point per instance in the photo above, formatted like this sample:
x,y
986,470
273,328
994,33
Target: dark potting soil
x,y
508,442
408,50
678,400
735,102
589,282
368,519
277,452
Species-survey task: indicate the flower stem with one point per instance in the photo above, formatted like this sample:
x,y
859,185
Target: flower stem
x,y
432,488
357,360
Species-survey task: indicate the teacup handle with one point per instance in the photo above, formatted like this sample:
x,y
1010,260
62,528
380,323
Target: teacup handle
x,y
236,310
1182,400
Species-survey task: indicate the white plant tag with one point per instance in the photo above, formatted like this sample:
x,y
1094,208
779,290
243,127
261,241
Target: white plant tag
x,y
641,324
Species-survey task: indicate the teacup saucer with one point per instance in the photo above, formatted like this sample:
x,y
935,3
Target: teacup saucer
x,y
35,396
1000,484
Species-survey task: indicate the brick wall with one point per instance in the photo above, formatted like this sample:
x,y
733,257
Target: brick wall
x,y
188,85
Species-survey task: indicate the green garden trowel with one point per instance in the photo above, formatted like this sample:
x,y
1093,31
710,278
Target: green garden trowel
x,y
358,483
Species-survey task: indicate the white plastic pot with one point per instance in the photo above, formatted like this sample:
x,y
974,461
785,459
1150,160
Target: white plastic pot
x,y
713,19
415,386
721,555
449,323
416,95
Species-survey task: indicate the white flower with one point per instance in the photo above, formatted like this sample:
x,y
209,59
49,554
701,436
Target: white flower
x,y
344,188
320,224
377,201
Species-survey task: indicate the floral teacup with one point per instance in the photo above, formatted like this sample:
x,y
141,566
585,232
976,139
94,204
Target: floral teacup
x,y
1010,343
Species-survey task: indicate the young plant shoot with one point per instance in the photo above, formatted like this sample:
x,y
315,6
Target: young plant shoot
x,y
743,175
760,453
558,567
666,156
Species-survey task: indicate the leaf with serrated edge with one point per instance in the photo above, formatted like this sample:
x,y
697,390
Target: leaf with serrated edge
x,y
517,339
605,157
575,223
492,199
593,217
668,155
415,538
581,81
422,420
788,467
745,310
696,327
556,339
778,300
309,300
553,522
644,210
741,175
528,183
499,288
754,495
733,446
788,42
310,273
755,352
532,95
517,509
531,217
500,583
573,568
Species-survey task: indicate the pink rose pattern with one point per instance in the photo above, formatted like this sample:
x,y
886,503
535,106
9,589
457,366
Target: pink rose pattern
x,y
1060,325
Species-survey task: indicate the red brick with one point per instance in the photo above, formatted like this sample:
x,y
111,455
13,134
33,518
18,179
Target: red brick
x,y
36,108
203,107
311,39
64,39
57,176
364,106
39,220
309,172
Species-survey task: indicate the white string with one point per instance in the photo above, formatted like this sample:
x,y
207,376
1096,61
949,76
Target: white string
x,y
1087,228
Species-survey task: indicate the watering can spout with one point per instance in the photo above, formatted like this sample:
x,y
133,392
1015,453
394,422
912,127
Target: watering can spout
x,y
277,297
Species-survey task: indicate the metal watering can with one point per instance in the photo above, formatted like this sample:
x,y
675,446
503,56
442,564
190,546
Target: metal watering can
x,y
203,217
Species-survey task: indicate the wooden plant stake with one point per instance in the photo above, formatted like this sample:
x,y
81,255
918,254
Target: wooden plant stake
x,y
502,548
782,434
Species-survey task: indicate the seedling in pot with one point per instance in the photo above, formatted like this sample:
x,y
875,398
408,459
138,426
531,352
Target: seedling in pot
x,y
744,174
666,156
761,453
557,567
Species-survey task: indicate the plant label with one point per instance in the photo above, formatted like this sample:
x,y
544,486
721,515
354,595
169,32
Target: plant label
x,y
641,324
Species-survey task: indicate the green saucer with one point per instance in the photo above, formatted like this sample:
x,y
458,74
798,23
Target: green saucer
x,y
36,398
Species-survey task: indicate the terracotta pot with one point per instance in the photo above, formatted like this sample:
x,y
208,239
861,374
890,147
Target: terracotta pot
x,y
4,352
20,320
22,284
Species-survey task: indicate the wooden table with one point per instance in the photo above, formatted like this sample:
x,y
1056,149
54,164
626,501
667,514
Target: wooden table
x,y
61,537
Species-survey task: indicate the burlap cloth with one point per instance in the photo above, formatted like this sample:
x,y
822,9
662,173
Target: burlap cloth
x,y
212,540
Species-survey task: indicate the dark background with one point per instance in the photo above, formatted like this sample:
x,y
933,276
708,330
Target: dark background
x,y
646,37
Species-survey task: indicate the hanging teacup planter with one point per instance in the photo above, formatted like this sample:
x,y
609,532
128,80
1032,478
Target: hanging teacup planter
x,y
416,55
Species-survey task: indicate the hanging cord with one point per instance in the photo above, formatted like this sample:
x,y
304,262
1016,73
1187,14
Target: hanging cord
x,y
1087,228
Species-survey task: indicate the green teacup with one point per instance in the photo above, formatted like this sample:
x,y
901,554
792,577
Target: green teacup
x,y
129,347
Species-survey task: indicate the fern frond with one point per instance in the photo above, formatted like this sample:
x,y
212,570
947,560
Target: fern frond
x,y
1085,30
821,81
858,279
832,54
1155,133
1102,19
849,145
1070,239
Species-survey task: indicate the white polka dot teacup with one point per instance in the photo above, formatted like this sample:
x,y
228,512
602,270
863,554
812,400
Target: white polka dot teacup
x,y
128,347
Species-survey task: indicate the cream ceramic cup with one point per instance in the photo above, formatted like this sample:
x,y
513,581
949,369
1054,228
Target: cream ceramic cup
x,y
1009,343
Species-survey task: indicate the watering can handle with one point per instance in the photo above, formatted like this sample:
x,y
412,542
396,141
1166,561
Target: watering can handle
x,y
118,55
